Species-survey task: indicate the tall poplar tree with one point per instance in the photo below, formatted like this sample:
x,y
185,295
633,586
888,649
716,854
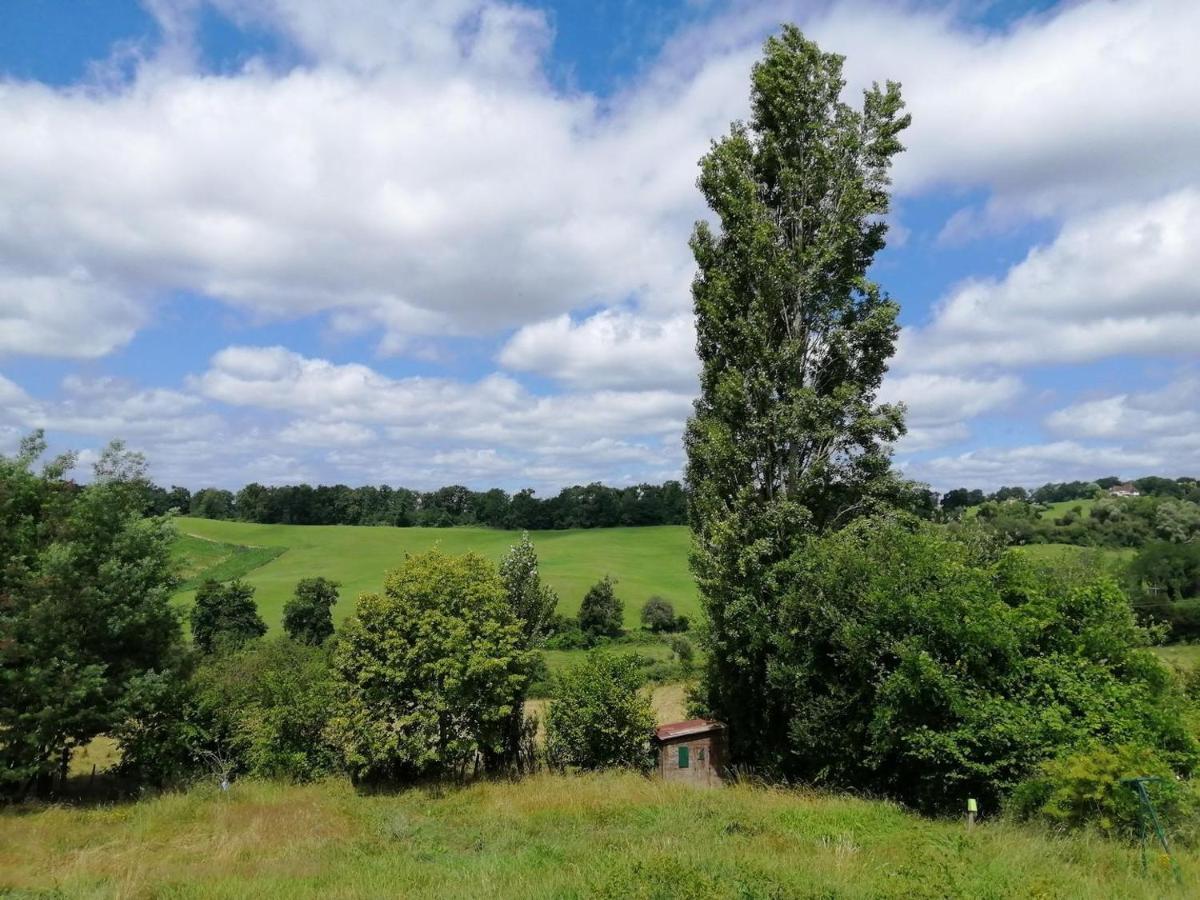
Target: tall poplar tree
x,y
787,439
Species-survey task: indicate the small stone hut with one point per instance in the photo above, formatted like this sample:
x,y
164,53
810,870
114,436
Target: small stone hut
x,y
692,752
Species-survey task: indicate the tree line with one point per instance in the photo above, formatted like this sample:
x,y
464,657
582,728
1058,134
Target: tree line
x,y
579,506
1182,488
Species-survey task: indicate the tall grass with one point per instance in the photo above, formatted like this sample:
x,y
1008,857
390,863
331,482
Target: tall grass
x,y
609,835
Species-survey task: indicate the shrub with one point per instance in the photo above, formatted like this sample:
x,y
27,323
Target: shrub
x,y
1087,788
911,662
308,615
601,614
658,615
429,670
682,648
224,616
598,716
264,708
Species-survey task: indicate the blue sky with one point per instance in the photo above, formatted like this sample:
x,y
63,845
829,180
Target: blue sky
x,y
431,243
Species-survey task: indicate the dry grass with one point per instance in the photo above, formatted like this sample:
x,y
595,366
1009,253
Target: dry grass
x,y
550,836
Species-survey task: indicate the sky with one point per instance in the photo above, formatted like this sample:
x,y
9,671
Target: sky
x,y
428,243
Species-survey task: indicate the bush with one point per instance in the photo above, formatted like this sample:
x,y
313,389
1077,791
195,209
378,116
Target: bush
x,y
1087,789
914,663
598,716
682,648
429,670
658,615
225,617
308,615
602,614
264,709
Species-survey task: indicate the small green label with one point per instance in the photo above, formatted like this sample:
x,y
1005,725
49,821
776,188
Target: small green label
x,y
972,806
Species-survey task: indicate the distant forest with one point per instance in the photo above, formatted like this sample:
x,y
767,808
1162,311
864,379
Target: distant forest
x,y
580,506
590,506
1184,488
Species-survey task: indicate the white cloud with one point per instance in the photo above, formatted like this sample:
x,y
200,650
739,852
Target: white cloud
x,y
1034,464
1168,413
1090,101
429,423
419,175
1119,282
66,315
938,406
609,349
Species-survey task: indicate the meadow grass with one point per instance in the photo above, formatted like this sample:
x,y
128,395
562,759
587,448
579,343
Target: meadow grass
x,y
200,558
1183,656
645,561
606,835
1063,552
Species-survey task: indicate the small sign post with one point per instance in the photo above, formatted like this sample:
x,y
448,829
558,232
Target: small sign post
x,y
972,812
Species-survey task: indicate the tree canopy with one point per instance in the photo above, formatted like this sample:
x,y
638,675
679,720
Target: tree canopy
x,y
85,616
429,670
787,437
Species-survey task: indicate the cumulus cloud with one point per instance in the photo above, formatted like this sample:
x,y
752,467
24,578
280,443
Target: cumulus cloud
x,y
938,406
1161,416
411,173
1119,282
609,349
1033,464
416,174
63,315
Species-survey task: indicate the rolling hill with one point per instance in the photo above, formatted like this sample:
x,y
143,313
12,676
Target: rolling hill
x,y
645,561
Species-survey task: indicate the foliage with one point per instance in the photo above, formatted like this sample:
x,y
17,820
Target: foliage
x,y
580,506
682,648
308,616
265,708
787,438
658,614
533,605
1168,570
599,718
429,670
920,664
1177,521
224,616
601,614
85,620
1087,788
531,601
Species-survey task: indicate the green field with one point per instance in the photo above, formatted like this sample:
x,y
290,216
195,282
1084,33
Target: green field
x,y
645,561
608,835
1061,552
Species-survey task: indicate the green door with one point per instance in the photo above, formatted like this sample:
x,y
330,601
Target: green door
x,y
683,756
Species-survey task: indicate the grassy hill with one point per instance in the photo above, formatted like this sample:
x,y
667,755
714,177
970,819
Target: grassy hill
x,y
608,835
645,561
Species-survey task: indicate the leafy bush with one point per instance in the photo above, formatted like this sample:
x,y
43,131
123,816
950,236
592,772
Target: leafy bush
x,y
429,670
87,629
920,664
601,614
225,616
308,615
681,647
658,614
598,717
264,710
1088,788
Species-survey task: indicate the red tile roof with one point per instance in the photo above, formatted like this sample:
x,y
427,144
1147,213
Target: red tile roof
x,y
690,727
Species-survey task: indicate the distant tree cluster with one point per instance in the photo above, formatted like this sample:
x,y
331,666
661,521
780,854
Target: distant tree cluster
x,y
582,506
1183,488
